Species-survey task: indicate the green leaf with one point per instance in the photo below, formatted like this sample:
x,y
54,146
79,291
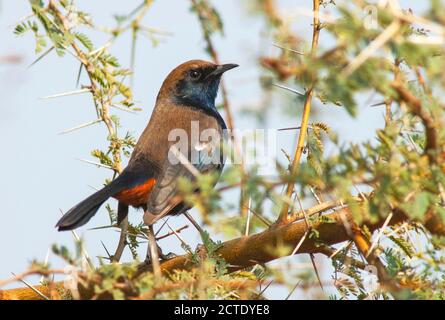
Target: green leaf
x,y
87,43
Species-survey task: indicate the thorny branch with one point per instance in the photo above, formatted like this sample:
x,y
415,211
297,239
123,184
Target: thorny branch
x,y
260,248
89,67
415,105
283,217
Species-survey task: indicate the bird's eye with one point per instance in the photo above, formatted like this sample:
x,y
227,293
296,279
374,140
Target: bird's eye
x,y
194,74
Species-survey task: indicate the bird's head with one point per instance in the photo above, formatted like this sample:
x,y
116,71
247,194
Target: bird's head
x,y
194,83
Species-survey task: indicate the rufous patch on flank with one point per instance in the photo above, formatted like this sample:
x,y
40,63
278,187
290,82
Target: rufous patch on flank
x,y
136,196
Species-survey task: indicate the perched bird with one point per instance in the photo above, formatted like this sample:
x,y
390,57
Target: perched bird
x,y
185,105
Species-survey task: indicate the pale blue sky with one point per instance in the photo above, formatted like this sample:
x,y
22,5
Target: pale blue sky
x,y
40,173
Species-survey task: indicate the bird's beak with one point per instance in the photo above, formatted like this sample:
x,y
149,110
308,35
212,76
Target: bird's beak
x,y
223,68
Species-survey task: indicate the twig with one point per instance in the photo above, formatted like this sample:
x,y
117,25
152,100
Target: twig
x,y
283,217
377,43
328,205
89,67
29,273
332,254
415,105
168,234
363,247
248,251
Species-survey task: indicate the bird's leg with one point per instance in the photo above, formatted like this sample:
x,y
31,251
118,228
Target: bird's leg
x,y
162,256
153,252
122,212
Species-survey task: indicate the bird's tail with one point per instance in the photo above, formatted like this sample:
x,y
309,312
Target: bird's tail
x,y
85,210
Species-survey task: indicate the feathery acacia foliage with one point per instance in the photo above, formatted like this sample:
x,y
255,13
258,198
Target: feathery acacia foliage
x,y
370,199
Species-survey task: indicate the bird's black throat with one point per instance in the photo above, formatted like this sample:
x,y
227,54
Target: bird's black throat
x,y
200,96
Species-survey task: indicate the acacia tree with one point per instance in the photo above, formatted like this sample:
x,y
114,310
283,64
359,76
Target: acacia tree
x,y
368,199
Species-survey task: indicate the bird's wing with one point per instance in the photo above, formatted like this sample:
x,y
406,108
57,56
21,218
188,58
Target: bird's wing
x,y
164,198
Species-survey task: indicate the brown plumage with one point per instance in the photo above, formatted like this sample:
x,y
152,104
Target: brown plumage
x,y
186,99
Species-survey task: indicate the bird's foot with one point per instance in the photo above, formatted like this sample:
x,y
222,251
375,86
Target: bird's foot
x,y
168,256
162,257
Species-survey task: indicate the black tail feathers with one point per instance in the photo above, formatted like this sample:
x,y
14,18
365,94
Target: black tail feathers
x,y
85,210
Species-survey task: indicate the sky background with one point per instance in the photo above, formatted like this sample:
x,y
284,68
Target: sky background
x,y
39,172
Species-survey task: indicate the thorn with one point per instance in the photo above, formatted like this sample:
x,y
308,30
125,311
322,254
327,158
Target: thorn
x,y
379,235
41,57
339,249
289,128
378,104
123,109
64,94
288,89
95,163
78,75
45,264
265,288
300,243
81,126
292,291
161,227
102,227
249,214
288,49
106,250
30,286
92,187
185,244
105,258
193,221
260,217
316,271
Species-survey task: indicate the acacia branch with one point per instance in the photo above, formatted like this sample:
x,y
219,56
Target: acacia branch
x,y
262,247
283,217
104,112
415,107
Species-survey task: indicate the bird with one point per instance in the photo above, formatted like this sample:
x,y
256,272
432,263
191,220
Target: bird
x,y
185,104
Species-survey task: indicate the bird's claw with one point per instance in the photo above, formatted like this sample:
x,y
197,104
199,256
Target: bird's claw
x,y
162,257
168,256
